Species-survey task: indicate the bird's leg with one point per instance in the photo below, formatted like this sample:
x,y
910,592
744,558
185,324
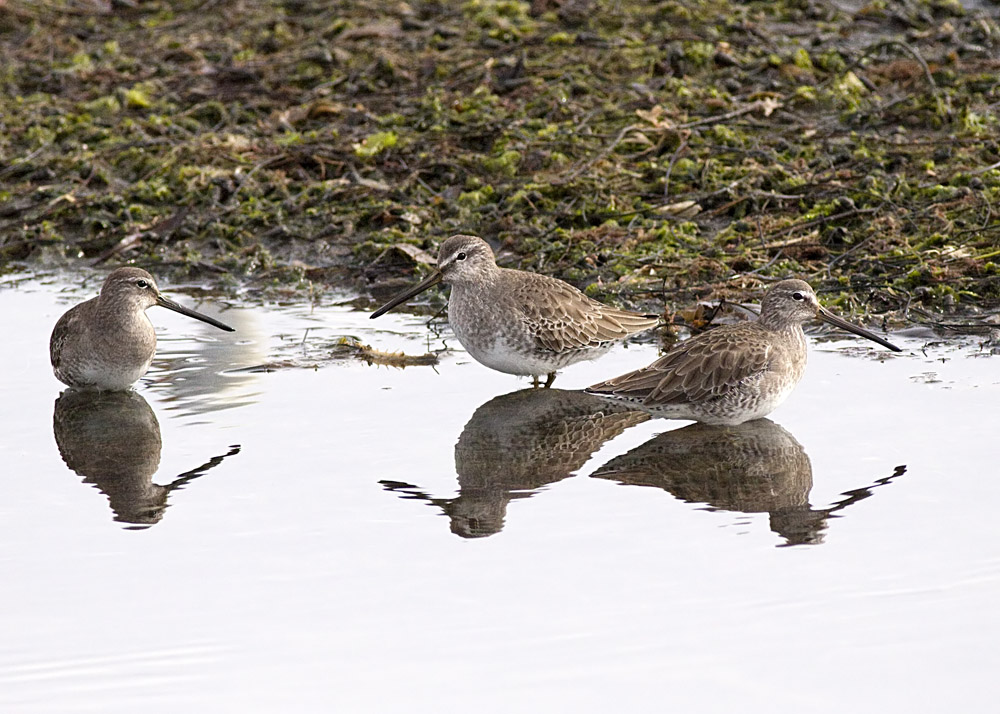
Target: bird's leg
x,y
550,379
534,381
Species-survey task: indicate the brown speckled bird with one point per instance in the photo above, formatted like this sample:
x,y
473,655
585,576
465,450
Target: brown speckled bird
x,y
733,373
518,443
107,342
112,440
518,322
754,467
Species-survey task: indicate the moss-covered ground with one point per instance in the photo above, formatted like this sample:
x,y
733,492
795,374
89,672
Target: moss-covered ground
x,y
649,152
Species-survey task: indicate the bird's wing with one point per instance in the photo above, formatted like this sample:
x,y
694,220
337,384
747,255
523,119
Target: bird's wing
x,y
697,369
563,318
65,327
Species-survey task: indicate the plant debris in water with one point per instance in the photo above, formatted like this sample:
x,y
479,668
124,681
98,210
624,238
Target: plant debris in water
x,y
312,354
644,151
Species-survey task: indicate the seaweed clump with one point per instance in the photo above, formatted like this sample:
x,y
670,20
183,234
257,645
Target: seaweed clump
x,y
651,150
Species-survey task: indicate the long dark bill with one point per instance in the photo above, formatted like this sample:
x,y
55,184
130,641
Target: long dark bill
x,y
428,282
171,305
827,316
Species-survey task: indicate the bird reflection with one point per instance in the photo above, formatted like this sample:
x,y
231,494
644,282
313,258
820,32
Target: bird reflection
x,y
203,374
755,467
515,444
112,440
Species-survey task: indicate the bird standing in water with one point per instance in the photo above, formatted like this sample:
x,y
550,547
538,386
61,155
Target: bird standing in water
x,y
517,322
733,373
108,342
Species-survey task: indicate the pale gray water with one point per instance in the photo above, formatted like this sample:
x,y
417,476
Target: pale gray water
x,y
283,576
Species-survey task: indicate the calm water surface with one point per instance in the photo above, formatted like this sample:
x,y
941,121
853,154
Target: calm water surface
x,y
337,536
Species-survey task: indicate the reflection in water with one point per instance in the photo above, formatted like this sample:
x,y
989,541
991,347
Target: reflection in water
x,y
203,374
112,439
515,444
755,467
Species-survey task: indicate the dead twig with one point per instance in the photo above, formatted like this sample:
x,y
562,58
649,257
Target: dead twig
x,y
670,167
825,219
604,153
767,105
910,50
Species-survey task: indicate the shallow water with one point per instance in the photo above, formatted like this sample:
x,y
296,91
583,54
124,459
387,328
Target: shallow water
x,y
355,537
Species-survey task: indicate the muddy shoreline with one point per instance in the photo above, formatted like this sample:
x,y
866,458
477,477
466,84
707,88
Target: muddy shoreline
x,y
654,154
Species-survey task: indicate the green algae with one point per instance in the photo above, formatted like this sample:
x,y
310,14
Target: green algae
x,y
375,144
648,152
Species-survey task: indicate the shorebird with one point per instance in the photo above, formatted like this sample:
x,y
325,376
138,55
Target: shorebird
x,y
733,373
755,467
112,440
517,322
107,342
518,443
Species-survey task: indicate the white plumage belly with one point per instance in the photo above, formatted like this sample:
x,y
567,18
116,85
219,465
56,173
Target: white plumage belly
x,y
110,377
502,357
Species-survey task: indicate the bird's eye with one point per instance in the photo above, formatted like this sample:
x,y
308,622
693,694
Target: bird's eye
x,y
798,296
460,256
140,283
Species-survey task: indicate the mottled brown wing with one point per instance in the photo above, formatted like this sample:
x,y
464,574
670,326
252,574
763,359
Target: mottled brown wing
x,y
563,318
64,327
697,369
